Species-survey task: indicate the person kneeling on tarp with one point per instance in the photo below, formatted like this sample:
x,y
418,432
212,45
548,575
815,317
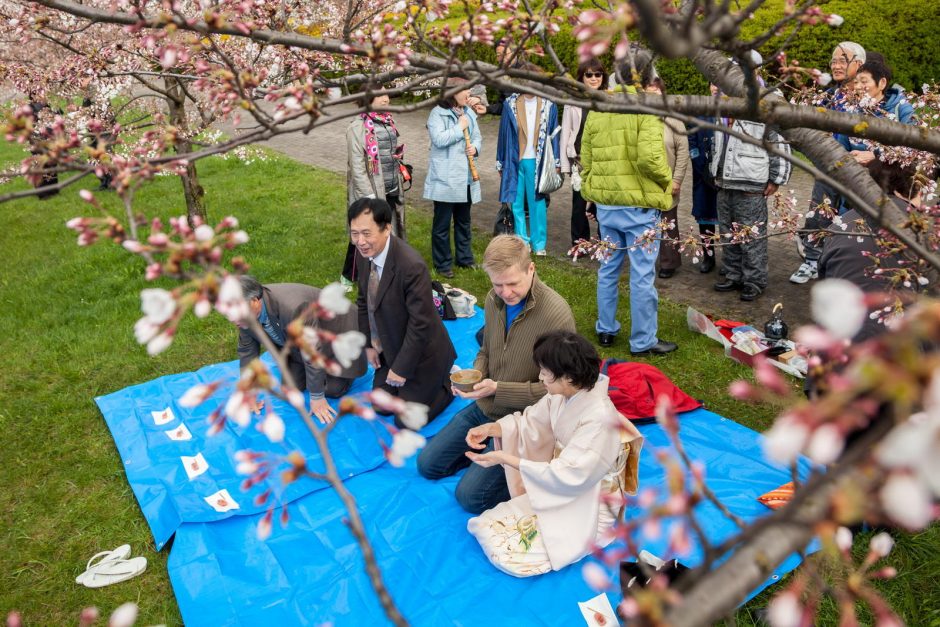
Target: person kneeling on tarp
x,y
562,457
276,305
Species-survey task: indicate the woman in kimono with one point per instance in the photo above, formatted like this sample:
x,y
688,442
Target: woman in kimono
x,y
565,458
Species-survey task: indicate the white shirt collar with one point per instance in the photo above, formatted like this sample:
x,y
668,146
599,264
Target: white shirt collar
x,y
379,260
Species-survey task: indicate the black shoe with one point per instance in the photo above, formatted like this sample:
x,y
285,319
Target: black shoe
x,y
666,273
708,264
447,274
728,286
606,339
749,293
659,348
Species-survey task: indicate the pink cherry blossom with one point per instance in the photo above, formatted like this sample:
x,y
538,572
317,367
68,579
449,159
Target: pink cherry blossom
x,y
124,616
839,307
273,427
881,544
825,444
786,439
785,610
333,299
907,501
596,577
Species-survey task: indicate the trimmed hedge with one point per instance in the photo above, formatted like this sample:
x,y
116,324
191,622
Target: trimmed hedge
x,y
905,31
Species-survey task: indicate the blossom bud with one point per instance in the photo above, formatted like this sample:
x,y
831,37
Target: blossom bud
x,y
881,544
86,195
204,233
834,20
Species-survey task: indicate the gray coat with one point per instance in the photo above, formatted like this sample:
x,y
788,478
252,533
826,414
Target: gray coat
x,y
361,182
744,166
286,302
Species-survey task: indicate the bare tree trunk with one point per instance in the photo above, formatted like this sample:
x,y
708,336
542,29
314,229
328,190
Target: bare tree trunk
x,y
192,190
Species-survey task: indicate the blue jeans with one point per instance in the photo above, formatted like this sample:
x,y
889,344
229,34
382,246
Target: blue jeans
x,y
622,226
538,218
480,488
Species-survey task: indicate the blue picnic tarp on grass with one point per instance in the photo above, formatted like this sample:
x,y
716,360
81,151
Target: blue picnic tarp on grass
x,y
154,462
311,572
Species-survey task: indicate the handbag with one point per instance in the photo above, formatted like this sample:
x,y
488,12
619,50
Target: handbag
x,y
550,181
505,224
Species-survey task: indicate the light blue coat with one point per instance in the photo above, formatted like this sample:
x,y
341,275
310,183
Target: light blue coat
x,y
448,168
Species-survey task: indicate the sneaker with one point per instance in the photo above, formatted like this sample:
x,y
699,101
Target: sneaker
x,y
805,273
540,253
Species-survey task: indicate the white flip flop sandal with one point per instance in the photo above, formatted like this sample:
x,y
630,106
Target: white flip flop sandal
x,y
120,553
115,571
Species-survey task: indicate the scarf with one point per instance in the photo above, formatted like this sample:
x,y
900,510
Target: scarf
x,y
371,144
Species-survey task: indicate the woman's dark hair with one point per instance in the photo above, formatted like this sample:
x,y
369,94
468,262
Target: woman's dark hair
x,y
567,354
894,177
450,102
878,70
591,65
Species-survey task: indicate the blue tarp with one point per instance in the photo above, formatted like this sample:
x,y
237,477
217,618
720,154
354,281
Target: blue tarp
x,y
311,572
153,461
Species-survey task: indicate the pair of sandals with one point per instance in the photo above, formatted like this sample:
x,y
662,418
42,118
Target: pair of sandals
x,y
110,567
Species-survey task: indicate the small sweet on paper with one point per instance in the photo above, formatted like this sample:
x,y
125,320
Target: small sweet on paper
x,y
180,433
163,417
598,612
194,466
221,501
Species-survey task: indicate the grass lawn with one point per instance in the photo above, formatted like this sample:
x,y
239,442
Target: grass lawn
x,y
66,336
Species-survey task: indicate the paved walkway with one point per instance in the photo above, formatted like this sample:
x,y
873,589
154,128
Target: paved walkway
x,y
326,148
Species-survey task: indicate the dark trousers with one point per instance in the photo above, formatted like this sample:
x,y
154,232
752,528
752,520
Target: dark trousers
x,y
335,386
480,488
435,394
818,220
440,234
746,262
669,257
580,224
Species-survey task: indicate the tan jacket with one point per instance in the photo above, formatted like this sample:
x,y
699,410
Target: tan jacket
x,y
677,152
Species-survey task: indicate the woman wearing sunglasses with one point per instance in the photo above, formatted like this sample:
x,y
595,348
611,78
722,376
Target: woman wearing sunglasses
x,y
592,74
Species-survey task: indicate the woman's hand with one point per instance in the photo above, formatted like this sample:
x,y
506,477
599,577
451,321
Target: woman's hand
x,y
471,151
463,122
478,435
493,458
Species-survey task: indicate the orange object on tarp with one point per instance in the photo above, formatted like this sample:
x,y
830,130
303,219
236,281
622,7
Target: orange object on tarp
x,y
635,388
778,497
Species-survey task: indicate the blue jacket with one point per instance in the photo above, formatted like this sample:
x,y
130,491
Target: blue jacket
x,y
448,168
894,104
507,147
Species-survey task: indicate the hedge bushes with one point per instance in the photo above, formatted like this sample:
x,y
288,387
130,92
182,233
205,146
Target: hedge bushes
x,y
905,31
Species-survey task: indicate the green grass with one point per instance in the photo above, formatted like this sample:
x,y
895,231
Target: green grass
x,y
66,336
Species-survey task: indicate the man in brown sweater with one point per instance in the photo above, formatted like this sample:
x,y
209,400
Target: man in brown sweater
x,y
518,310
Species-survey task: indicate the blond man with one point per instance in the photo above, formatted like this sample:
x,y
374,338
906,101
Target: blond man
x,y
518,309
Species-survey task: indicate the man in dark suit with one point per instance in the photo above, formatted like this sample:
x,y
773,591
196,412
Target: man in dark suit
x,y
275,306
406,341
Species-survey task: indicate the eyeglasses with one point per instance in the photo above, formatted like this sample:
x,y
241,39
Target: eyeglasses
x,y
593,75
841,62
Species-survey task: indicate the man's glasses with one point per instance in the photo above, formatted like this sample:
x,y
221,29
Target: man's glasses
x,y
593,75
840,62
